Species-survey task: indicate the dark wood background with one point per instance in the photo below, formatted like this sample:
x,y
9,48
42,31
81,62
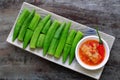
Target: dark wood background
x,y
17,64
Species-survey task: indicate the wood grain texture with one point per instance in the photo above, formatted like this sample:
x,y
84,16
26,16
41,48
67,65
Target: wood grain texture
x,y
18,64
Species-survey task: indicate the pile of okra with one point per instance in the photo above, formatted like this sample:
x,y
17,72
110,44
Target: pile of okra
x,y
54,37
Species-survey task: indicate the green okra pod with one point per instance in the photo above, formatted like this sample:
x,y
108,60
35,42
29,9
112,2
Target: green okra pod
x,y
77,38
55,40
27,38
37,31
66,52
47,26
62,40
40,41
25,26
71,37
34,22
49,36
25,13
59,31
68,44
53,46
29,31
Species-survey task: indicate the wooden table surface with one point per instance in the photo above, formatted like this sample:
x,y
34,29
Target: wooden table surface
x,y
17,64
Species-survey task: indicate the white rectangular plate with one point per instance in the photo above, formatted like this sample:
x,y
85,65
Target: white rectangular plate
x,y
74,66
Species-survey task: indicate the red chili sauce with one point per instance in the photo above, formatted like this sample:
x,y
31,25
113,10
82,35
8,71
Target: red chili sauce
x,y
92,52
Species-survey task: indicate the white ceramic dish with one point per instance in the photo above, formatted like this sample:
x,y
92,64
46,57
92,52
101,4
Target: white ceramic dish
x,y
74,66
107,53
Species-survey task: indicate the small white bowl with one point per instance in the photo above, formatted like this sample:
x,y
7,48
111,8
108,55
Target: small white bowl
x,y
107,52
